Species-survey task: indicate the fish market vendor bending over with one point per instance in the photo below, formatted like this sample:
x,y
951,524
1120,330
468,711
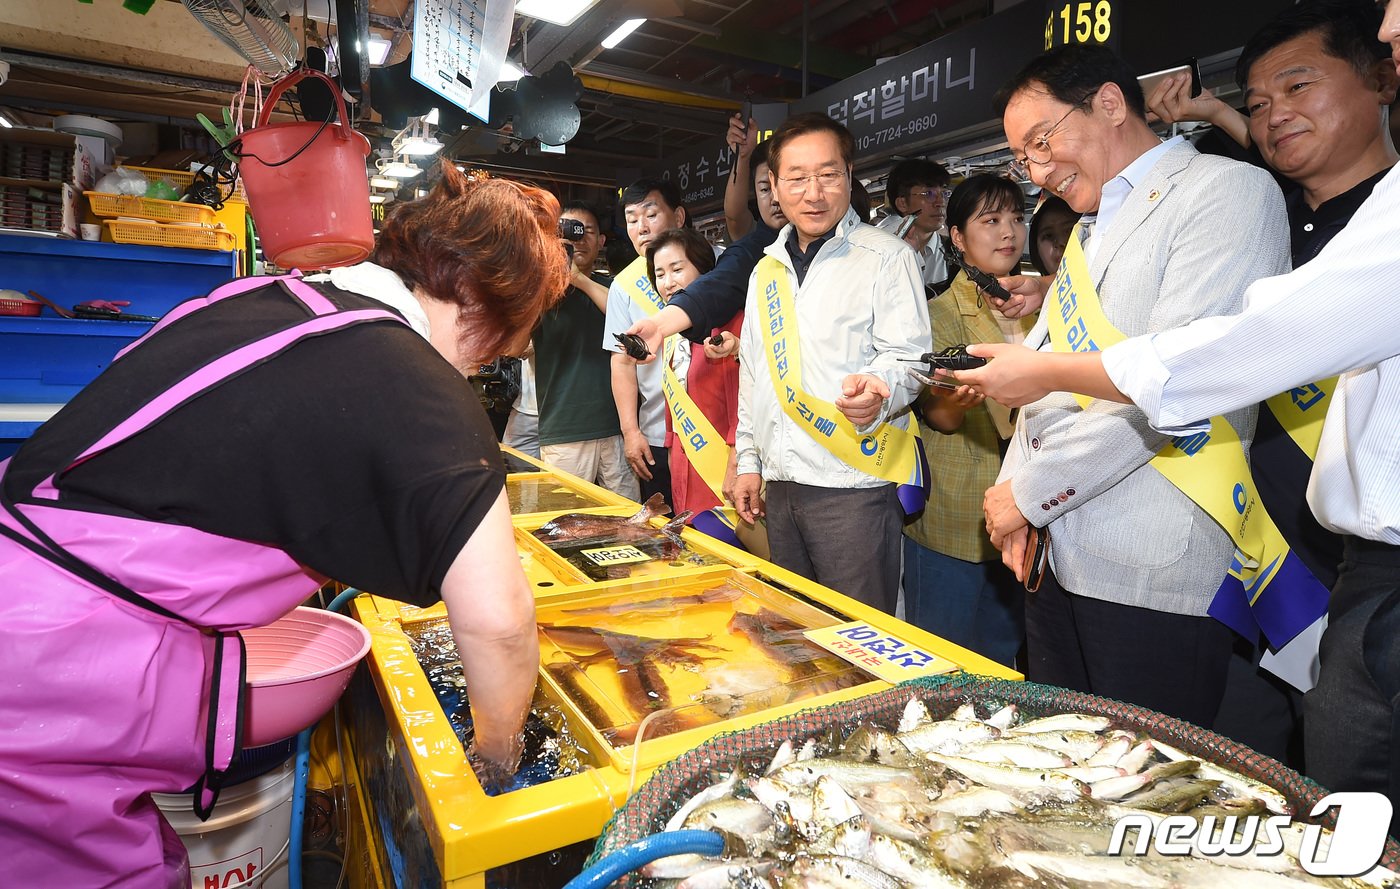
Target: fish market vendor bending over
x,y
255,442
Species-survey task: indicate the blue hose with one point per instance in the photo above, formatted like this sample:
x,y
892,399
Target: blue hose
x,y
302,774
644,851
339,602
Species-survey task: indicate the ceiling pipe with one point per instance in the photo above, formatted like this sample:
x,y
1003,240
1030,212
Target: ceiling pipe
x,y
665,88
804,48
688,25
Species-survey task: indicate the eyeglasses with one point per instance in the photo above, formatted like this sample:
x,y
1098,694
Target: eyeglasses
x,y
1037,151
931,193
829,180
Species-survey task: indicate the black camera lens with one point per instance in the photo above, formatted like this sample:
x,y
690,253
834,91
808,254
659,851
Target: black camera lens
x,y
571,229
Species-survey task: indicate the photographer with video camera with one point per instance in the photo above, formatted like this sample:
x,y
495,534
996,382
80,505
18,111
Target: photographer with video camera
x,y
578,426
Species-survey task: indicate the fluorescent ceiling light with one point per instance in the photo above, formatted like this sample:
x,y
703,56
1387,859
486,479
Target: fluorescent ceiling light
x,y
559,12
6,122
418,146
399,169
379,48
383,182
510,72
621,33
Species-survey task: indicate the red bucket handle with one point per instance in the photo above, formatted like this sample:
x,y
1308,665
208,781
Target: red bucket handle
x,y
296,77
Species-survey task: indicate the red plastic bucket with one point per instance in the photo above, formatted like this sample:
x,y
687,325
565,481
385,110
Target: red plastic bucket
x,y
307,186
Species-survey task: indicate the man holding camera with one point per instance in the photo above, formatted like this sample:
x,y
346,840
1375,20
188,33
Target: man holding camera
x,y
579,431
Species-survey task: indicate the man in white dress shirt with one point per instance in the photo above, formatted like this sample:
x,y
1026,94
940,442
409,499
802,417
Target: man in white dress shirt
x,y
1295,329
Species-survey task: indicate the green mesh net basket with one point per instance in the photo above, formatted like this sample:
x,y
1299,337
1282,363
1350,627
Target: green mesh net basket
x,y
647,811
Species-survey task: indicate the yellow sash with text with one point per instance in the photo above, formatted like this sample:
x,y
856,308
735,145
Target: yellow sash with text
x,y
1209,467
889,453
704,447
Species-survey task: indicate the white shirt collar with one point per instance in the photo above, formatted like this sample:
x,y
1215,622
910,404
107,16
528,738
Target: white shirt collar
x,y
1117,189
384,285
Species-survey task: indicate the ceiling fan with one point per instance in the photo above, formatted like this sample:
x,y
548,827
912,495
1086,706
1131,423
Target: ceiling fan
x,y
253,29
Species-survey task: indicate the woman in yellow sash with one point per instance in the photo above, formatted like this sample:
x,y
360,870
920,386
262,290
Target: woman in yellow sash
x,y
674,260
954,582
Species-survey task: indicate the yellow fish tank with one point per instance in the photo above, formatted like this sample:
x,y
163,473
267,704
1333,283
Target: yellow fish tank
x,y
683,658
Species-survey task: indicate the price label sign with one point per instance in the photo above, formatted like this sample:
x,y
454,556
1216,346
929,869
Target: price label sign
x,y
1069,22
876,651
615,555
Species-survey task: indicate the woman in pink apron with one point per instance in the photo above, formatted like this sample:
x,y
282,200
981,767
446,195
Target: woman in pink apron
x,y
253,443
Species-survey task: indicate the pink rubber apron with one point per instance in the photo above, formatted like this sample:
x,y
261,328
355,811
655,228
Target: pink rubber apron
x,y
121,667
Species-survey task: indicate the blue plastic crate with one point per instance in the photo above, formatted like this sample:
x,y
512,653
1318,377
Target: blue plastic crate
x,y
48,358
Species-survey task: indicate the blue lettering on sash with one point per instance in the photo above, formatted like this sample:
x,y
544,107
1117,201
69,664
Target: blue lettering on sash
x,y
1068,303
697,441
1078,338
805,411
687,426
791,395
775,326
1305,397
824,426
1191,444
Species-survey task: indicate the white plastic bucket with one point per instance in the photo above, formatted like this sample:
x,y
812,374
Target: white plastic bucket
x,y
244,842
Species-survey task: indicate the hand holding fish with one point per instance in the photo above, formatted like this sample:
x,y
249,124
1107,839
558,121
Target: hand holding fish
x,y
747,497
727,347
1013,376
862,397
651,334
1027,294
1003,515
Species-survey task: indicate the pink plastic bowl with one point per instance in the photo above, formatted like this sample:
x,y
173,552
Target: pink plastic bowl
x,y
297,668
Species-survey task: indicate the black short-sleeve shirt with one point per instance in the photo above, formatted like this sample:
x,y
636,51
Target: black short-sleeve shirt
x,y
361,453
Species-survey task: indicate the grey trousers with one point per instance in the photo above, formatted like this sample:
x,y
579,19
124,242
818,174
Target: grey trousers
x,y
847,539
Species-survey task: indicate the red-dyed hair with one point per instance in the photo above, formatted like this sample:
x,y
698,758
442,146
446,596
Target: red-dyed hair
x,y
491,246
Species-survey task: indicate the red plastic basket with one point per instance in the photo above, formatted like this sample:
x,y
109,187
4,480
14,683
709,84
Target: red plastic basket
x,y
25,308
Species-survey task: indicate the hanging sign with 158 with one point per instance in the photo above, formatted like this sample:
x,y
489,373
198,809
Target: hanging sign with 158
x,y
1078,21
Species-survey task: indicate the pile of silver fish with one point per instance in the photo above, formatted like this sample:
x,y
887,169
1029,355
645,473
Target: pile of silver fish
x,y
981,800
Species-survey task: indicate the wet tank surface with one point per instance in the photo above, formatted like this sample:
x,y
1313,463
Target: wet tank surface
x,y
686,657
550,749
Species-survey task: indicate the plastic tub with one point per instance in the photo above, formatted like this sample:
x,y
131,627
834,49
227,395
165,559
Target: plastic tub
x,y
297,667
244,843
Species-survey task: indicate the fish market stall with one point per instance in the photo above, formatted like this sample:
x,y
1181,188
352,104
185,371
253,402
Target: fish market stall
x,y
959,781
635,671
536,490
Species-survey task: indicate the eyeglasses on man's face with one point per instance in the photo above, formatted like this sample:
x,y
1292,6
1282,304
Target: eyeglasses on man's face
x,y
929,194
1037,150
827,180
